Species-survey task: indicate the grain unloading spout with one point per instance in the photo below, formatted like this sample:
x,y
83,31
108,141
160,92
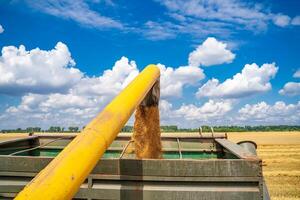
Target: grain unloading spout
x,y
64,175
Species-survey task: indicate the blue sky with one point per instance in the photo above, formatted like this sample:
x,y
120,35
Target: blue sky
x,y
227,62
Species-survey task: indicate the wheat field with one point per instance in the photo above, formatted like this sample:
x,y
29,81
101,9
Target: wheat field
x,y
280,152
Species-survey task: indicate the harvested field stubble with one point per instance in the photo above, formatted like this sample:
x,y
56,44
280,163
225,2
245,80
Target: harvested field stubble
x,y
280,152
281,168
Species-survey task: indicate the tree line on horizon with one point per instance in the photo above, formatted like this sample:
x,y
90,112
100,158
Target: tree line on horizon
x,y
170,128
174,128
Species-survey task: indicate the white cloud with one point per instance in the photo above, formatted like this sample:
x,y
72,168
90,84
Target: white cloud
x,y
76,101
212,112
212,109
296,21
53,109
54,91
290,89
75,107
253,79
211,52
111,82
173,80
281,20
1,29
222,112
37,71
166,110
48,103
297,74
40,71
62,101
78,11
279,113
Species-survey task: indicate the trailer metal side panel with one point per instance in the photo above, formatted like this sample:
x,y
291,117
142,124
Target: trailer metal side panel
x,y
123,177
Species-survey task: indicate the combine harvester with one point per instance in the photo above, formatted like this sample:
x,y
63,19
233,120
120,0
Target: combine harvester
x,y
95,164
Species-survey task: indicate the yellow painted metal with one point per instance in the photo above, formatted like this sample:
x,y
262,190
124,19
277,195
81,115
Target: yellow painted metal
x,y
63,176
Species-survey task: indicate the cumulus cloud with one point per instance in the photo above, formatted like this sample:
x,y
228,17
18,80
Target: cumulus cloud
x,y
290,89
56,92
212,109
76,106
67,97
173,80
28,71
222,112
253,79
166,111
297,74
46,103
37,71
53,109
281,20
1,29
40,71
76,101
262,113
112,80
192,115
211,52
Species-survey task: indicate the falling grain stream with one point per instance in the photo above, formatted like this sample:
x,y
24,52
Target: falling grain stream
x,y
146,135
146,130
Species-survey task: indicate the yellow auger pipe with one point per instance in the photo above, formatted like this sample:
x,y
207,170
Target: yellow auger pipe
x,y
63,176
